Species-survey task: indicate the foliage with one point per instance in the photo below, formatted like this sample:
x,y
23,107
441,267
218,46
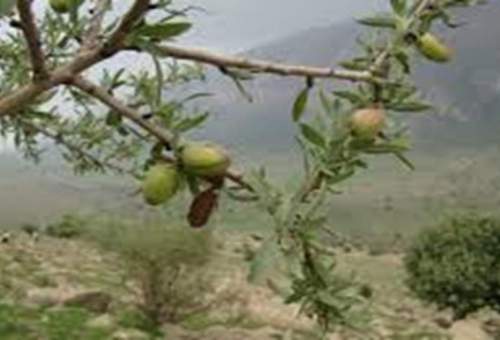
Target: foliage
x,y
19,322
122,121
166,262
456,264
70,226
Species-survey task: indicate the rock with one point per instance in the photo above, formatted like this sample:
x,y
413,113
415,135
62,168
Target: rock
x,y
492,326
468,330
130,334
443,321
5,238
44,297
94,301
104,322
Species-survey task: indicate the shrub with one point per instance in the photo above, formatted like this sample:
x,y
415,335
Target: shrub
x,y
167,263
457,264
70,226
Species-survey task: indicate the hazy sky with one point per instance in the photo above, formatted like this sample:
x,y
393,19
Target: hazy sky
x,y
242,24
233,25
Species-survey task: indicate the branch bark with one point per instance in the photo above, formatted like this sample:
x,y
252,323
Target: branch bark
x,y
90,40
31,34
260,66
135,13
102,94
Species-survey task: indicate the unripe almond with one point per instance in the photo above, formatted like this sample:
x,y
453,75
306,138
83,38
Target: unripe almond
x,y
160,184
367,123
204,159
64,6
434,49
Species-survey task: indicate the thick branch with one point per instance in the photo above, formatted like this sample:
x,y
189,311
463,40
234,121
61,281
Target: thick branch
x,y
32,37
12,102
102,94
260,66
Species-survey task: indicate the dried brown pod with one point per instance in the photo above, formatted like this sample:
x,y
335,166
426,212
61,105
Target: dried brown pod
x,y
202,207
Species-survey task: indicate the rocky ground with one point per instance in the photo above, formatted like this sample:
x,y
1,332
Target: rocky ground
x,y
58,290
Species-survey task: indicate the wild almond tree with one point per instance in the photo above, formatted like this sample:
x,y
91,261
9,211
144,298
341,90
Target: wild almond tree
x,y
56,84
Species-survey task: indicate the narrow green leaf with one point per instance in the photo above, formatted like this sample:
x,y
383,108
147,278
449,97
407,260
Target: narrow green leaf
x,y
409,107
341,177
325,102
354,65
300,104
381,21
403,60
191,123
399,6
163,31
385,148
312,135
166,114
353,97
113,118
196,96
405,161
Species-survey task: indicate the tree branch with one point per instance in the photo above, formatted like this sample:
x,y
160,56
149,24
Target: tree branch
x,y
102,94
164,136
260,66
32,37
12,102
135,13
59,139
90,39
420,6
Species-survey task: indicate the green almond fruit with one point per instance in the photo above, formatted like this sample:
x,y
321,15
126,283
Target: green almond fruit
x,y
367,123
434,49
64,6
161,183
206,160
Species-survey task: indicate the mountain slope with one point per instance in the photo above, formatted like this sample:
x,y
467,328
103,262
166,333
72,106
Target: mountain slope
x,y
470,85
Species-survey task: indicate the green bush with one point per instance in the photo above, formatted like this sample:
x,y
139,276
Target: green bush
x,y
457,264
70,226
167,263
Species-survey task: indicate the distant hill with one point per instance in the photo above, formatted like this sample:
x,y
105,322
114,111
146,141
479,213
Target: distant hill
x,y
470,85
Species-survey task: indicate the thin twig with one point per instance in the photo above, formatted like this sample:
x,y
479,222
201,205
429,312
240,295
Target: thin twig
x,y
90,39
386,53
32,37
59,139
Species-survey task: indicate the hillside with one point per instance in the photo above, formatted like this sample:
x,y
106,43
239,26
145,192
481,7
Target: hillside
x,y
471,85
89,294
